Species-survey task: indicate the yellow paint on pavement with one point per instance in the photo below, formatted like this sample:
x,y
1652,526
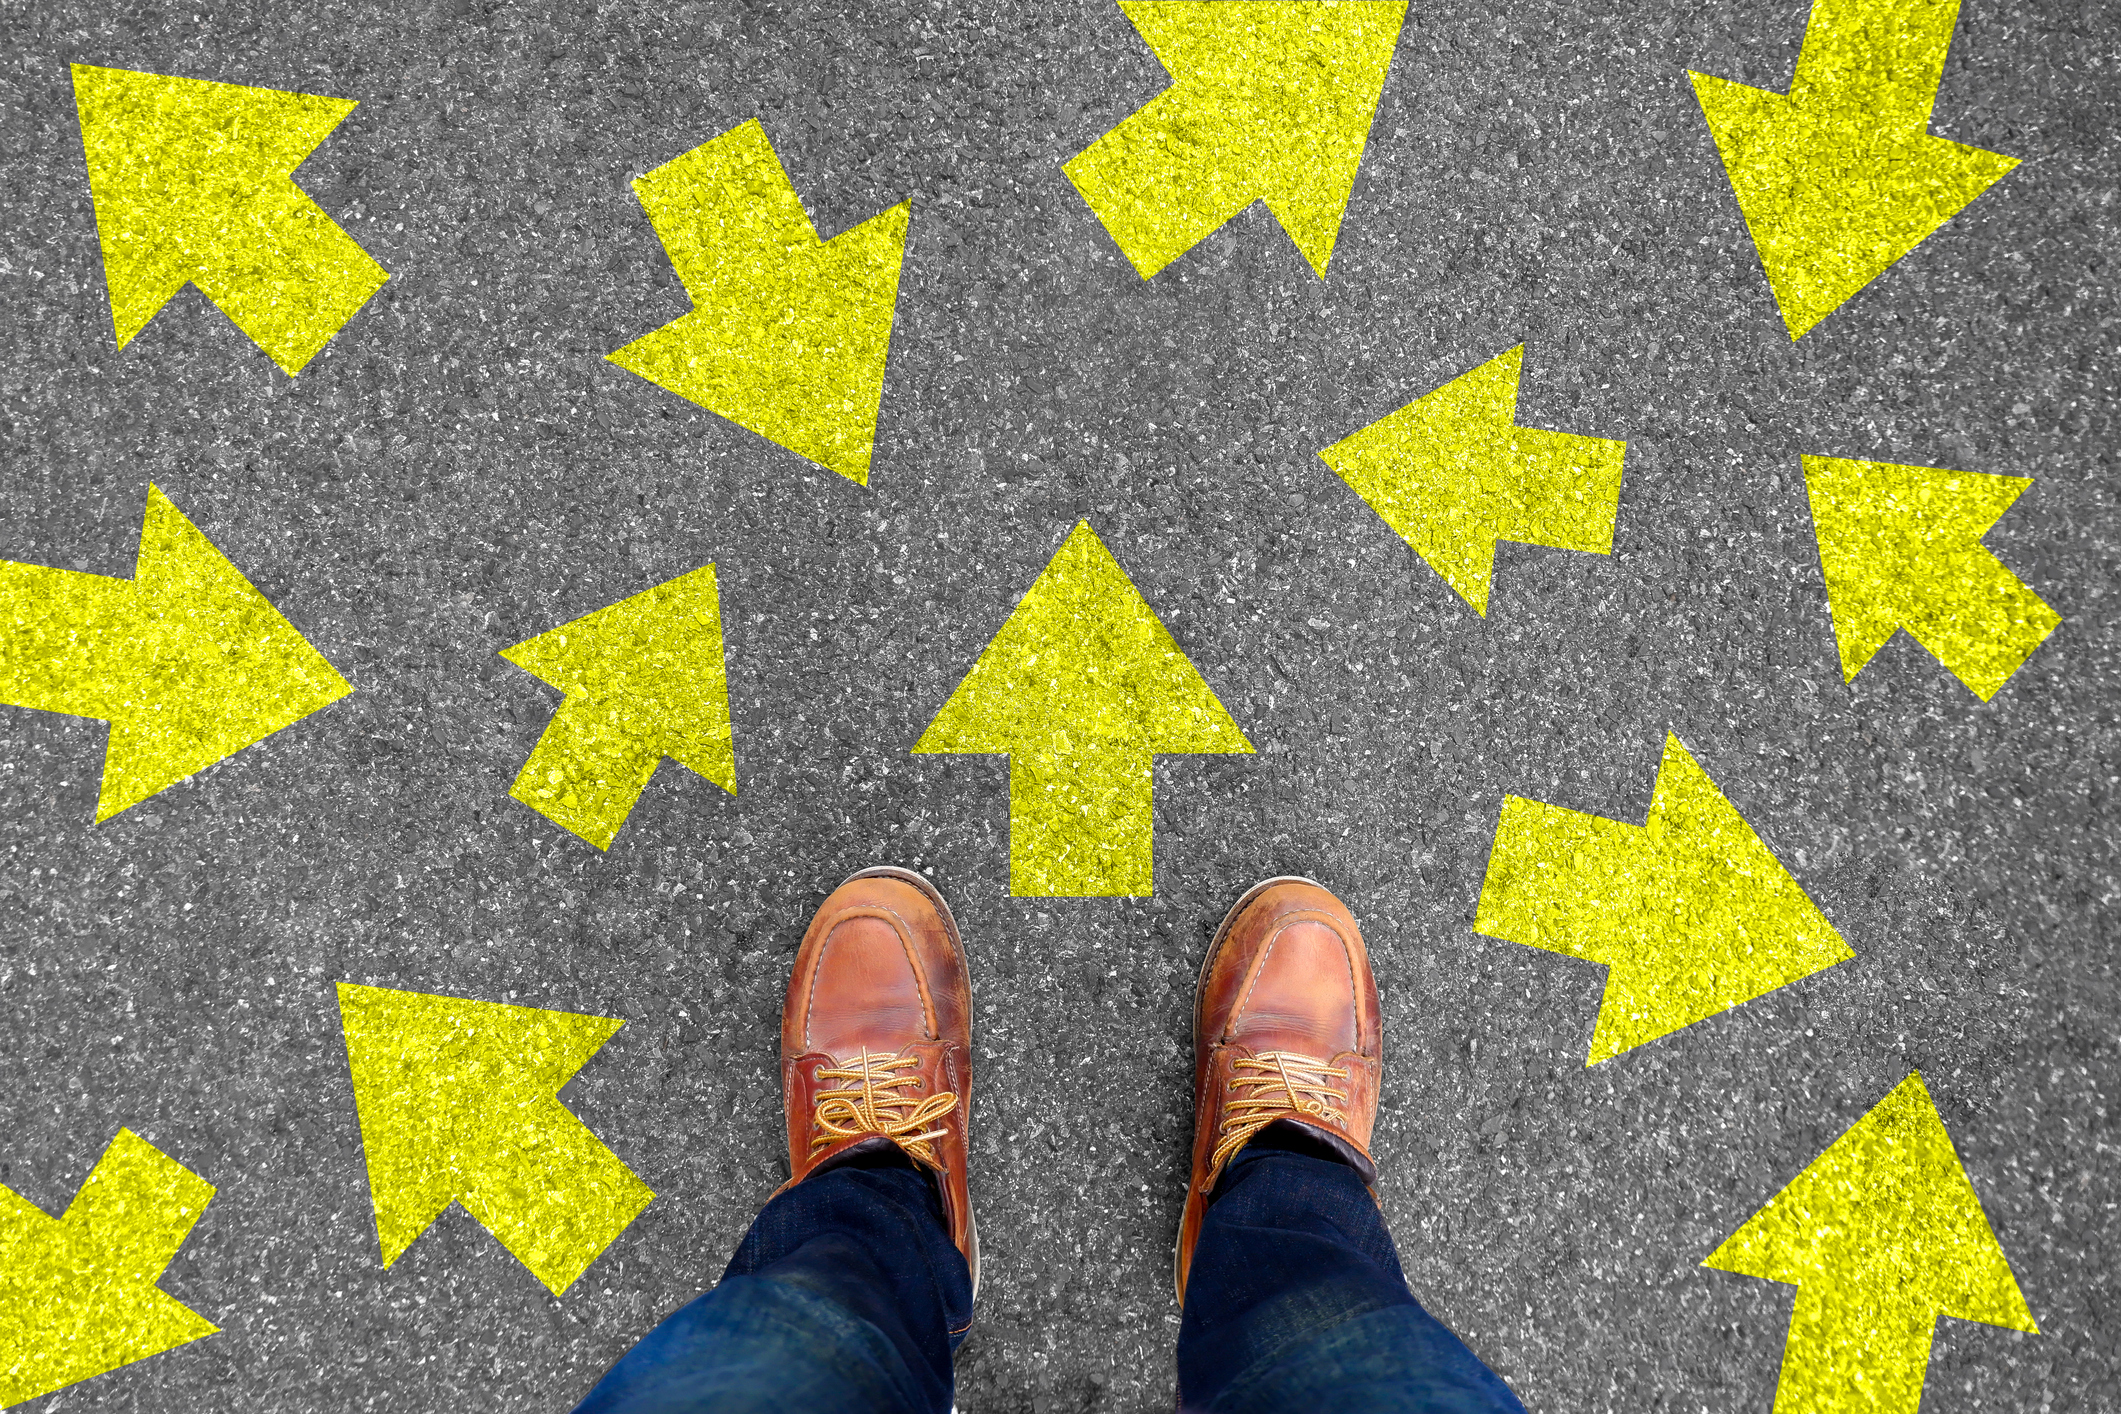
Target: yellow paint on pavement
x,y
458,1103
1840,178
1881,1235
186,660
1453,473
1268,102
1689,912
1082,688
194,183
788,334
77,1292
644,678
1901,549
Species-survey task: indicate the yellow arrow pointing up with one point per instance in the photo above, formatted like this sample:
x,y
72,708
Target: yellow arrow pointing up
x,y
644,679
1453,473
1082,689
1688,911
788,334
77,1293
1881,1236
458,1103
1268,102
187,662
194,182
1901,548
1840,178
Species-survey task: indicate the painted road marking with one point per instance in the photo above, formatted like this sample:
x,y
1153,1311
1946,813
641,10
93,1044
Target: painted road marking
x,y
1453,473
1881,1235
77,1292
1689,911
186,660
1268,102
1082,688
194,183
1840,177
788,333
458,1103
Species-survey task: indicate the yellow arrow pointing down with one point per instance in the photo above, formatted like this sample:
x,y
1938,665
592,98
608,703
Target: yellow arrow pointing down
x,y
77,1292
1689,911
1901,549
788,333
1453,474
644,679
1082,688
186,660
1269,101
1840,178
194,182
459,1103
1881,1235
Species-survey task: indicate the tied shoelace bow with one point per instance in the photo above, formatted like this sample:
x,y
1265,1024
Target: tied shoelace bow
x,y
1277,1085
870,1101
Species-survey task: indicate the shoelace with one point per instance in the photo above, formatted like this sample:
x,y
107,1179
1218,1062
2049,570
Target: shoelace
x,y
1277,1085
872,1103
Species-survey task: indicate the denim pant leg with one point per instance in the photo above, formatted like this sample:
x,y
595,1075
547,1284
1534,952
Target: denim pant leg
x,y
846,1295
1296,1303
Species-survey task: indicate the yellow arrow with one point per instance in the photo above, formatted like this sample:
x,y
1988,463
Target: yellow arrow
x,y
1082,689
1840,177
458,1103
77,1293
194,182
1880,1236
644,679
187,662
1901,548
788,334
1268,102
1688,911
1453,473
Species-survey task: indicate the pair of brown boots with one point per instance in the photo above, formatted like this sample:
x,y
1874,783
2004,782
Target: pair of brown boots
x,y
876,1037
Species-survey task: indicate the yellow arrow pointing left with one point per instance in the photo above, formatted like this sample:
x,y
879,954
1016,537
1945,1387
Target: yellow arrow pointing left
x,y
194,182
1269,101
186,660
1689,911
644,679
1881,1235
1841,177
1453,473
459,1103
77,1292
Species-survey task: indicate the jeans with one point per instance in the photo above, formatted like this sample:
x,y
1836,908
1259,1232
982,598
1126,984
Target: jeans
x,y
847,1295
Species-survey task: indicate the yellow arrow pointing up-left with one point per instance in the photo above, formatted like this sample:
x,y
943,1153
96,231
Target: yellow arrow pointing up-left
x,y
644,679
186,661
194,183
77,1292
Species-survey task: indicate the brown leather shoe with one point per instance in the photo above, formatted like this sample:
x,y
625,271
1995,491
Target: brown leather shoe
x,y
1285,1027
876,1037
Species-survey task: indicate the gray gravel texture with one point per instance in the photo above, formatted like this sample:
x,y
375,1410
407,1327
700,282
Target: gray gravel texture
x,y
461,469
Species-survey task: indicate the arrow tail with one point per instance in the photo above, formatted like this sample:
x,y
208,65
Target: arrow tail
x,y
583,777
1846,1353
57,633
582,1197
1986,629
305,279
1887,55
1082,827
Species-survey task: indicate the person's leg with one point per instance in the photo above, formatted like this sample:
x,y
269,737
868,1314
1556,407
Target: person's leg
x,y
1291,1289
854,1285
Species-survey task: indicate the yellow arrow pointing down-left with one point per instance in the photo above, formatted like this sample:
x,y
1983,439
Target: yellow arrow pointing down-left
x,y
187,662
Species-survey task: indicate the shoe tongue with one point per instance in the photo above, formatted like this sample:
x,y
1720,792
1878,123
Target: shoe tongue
x,y
865,995
1303,999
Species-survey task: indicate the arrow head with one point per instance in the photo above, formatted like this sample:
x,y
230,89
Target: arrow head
x,y
458,1102
1268,101
789,334
194,182
77,1292
205,667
